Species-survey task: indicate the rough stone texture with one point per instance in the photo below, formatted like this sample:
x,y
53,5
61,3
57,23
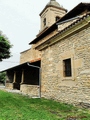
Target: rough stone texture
x,y
30,55
31,90
73,89
9,86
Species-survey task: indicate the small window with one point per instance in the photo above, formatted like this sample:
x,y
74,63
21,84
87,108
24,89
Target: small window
x,y
44,21
57,18
67,68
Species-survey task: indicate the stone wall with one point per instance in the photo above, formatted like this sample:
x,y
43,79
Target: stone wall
x,y
31,90
9,86
30,55
74,89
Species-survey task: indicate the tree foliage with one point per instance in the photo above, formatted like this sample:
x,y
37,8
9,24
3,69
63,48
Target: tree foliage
x,y
4,48
2,77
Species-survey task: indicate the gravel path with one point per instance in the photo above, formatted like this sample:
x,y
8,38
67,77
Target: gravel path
x,y
15,91
8,90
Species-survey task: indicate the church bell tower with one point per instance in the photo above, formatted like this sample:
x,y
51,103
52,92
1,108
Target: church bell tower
x,y
51,13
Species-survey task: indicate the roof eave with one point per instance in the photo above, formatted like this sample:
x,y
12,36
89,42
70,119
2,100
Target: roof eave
x,y
74,12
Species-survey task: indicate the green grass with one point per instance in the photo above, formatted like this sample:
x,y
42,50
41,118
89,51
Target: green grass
x,y
17,107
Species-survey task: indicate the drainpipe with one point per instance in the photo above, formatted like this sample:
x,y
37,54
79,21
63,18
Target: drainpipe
x,y
39,77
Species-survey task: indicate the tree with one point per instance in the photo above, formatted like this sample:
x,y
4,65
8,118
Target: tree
x,y
4,48
2,77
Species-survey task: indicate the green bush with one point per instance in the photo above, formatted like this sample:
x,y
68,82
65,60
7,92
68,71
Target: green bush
x,y
2,77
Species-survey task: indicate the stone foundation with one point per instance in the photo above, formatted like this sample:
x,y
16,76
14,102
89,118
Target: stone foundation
x,y
31,90
9,85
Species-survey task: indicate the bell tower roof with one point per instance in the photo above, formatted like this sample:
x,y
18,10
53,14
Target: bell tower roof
x,y
54,3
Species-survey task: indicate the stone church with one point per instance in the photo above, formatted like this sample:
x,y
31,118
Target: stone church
x,y
57,64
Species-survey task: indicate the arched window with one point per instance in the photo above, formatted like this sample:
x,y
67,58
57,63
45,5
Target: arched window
x,y
57,18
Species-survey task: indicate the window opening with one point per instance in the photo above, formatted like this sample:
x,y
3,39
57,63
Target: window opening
x,y
57,18
67,68
44,21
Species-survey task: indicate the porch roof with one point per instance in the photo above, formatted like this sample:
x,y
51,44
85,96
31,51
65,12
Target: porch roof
x,y
23,66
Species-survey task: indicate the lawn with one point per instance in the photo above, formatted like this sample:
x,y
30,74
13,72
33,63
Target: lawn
x,y
17,107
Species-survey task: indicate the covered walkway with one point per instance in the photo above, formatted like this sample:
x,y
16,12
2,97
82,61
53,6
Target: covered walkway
x,y
24,77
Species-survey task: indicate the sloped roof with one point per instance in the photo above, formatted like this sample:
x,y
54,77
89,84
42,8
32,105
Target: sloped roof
x,y
24,66
73,23
54,3
74,12
79,19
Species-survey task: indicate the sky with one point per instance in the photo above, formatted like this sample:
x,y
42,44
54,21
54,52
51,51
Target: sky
x,y
20,22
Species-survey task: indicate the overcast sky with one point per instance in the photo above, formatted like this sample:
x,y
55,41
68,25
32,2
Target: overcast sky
x,y
20,22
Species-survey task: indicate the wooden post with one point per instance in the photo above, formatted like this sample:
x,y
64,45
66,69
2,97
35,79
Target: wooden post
x,y
14,79
22,79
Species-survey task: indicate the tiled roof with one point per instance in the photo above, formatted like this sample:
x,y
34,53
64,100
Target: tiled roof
x,y
80,18
75,22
